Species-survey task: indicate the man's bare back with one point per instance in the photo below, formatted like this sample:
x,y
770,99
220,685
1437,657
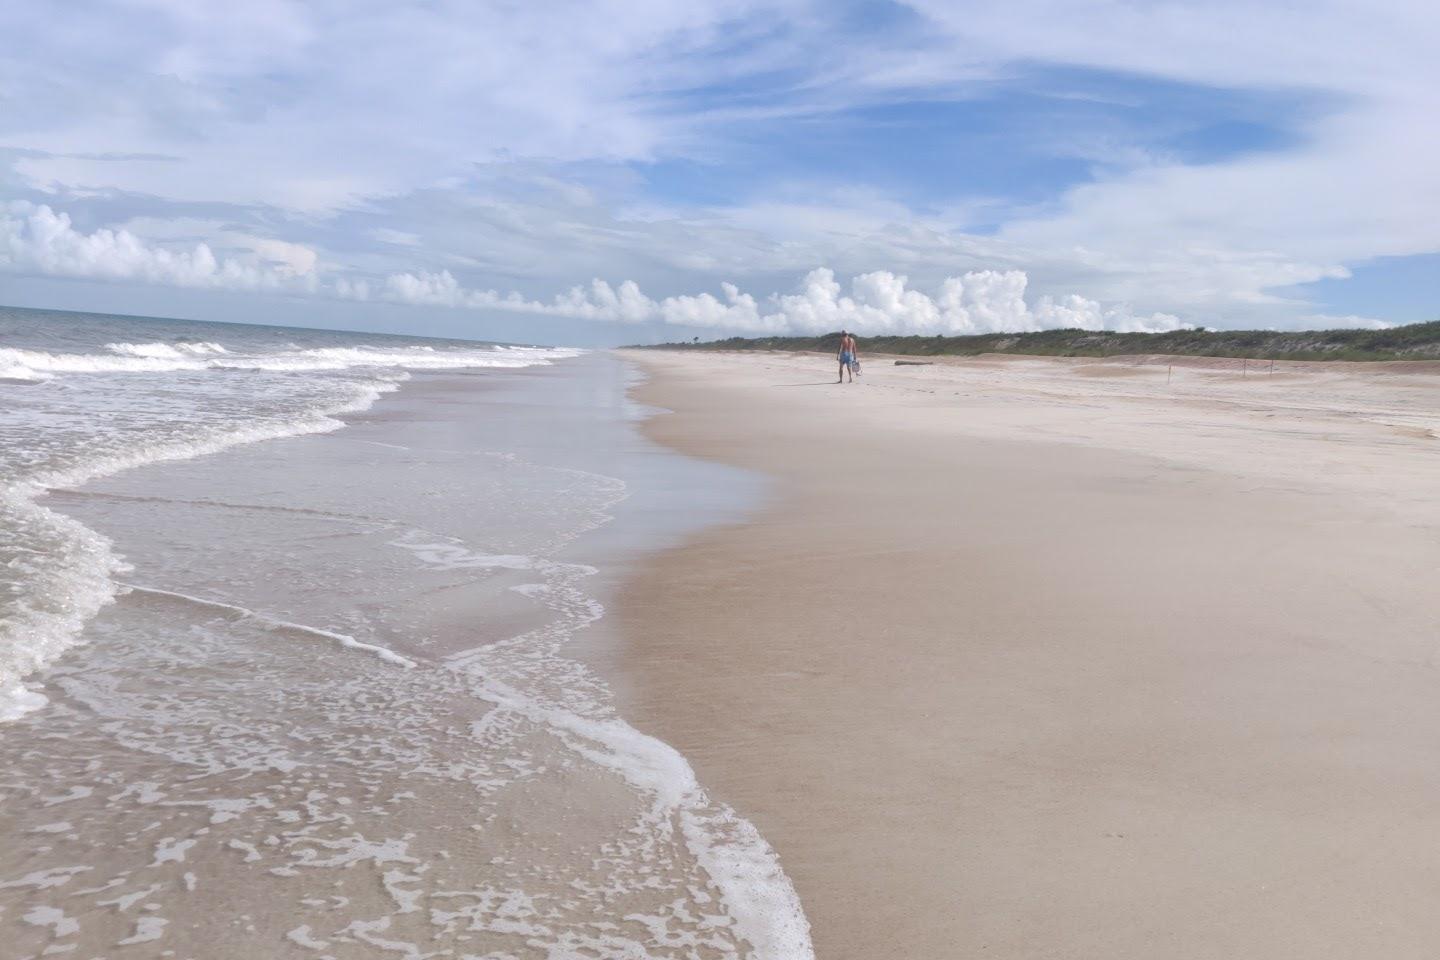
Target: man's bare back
x,y
848,356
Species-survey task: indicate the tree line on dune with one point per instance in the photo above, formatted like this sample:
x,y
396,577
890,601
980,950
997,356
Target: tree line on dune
x,y
1416,341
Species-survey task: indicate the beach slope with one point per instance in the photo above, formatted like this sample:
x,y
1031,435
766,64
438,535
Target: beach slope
x,y
1041,658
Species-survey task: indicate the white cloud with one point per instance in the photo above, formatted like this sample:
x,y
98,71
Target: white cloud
x,y
348,289
397,237
370,127
1356,183
878,303
38,240
293,259
426,289
320,105
625,304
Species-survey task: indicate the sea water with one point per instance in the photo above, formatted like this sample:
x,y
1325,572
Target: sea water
x,y
287,671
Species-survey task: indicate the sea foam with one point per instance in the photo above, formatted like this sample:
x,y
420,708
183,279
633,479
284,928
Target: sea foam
x,y
62,573
549,717
21,364
760,898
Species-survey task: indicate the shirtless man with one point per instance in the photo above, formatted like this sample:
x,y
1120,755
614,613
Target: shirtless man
x,y
847,356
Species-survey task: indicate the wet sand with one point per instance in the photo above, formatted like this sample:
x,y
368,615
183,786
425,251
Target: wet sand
x,y
338,711
1041,658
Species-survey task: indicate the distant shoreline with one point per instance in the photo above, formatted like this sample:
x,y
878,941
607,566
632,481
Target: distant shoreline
x,y
1416,341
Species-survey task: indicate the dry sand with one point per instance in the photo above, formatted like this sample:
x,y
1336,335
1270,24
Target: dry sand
x,y
1040,658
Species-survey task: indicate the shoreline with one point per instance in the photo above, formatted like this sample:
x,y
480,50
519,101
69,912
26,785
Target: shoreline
x,y
1023,660
347,705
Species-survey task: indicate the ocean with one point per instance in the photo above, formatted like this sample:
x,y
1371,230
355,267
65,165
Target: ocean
x,y
302,648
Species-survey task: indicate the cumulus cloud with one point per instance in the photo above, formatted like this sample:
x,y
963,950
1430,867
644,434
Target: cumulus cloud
x,y
36,239
348,289
294,259
877,303
1343,96
39,240
599,301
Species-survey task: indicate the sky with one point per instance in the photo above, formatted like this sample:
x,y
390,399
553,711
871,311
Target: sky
x,y
613,172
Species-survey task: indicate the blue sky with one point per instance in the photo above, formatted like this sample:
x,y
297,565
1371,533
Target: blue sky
x,y
1402,289
612,172
1021,139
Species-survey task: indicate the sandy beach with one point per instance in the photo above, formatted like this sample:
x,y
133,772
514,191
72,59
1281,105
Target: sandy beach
x,y
336,707
1057,658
